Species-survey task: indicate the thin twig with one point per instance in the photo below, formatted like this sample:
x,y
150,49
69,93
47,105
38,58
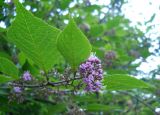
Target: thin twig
x,y
53,84
63,82
46,75
74,76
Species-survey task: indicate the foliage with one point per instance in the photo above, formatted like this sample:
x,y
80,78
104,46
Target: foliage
x,y
38,38
73,45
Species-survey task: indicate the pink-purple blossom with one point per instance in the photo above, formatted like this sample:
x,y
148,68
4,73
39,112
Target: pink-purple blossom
x,y
110,55
17,89
27,76
92,73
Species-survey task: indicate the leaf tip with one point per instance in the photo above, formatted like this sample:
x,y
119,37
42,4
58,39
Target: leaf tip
x,y
15,2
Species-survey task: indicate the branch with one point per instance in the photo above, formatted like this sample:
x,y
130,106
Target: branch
x,y
53,84
64,82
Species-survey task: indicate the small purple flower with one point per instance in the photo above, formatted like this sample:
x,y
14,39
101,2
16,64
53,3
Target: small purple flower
x,y
27,76
98,83
110,55
92,73
17,89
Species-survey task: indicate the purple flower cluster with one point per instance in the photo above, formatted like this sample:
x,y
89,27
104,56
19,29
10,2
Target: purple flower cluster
x,y
17,89
27,76
92,73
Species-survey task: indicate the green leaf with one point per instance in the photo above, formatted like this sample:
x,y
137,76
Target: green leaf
x,y
123,82
146,111
117,71
91,8
64,4
2,30
73,45
4,79
85,98
99,52
7,67
5,55
52,109
99,107
96,30
35,38
22,59
31,68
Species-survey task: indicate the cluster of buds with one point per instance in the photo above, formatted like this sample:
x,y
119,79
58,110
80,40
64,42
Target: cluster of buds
x,y
92,73
26,77
134,53
110,55
17,90
109,58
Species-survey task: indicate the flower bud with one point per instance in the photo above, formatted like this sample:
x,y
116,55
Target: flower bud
x,y
27,76
17,89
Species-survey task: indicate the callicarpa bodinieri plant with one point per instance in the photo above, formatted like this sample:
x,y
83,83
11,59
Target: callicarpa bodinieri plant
x,y
60,68
82,73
